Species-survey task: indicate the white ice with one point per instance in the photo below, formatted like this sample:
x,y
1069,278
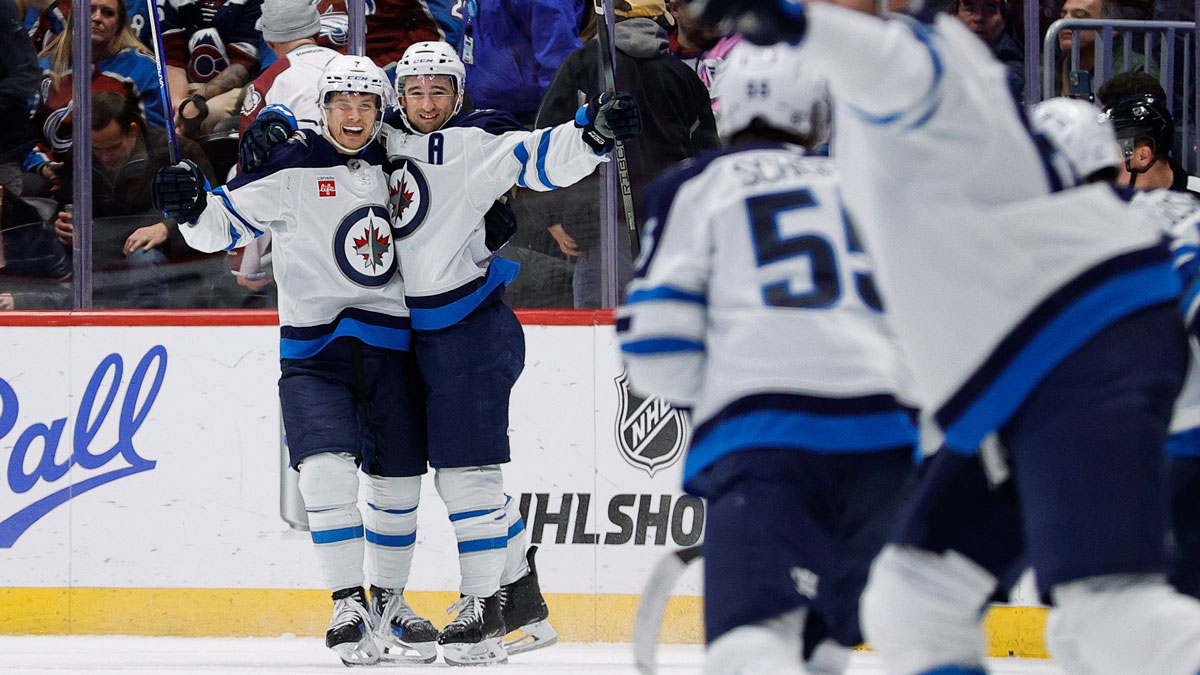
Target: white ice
x,y
95,655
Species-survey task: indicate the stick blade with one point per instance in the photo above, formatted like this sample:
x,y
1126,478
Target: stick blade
x,y
647,623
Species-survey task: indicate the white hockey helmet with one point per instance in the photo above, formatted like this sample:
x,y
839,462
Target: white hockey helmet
x,y
431,58
358,75
770,85
1083,138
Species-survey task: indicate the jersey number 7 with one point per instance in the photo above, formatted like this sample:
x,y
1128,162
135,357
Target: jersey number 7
x,y
770,246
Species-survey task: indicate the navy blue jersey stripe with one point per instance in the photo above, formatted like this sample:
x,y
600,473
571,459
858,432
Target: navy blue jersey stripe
x,y
362,315
803,403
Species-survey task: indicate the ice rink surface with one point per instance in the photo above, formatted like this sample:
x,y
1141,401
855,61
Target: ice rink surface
x,y
295,656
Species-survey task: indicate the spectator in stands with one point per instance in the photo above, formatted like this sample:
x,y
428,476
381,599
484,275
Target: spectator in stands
x,y
512,50
211,53
988,19
291,29
129,233
122,65
1136,104
677,123
34,268
698,44
18,82
1090,9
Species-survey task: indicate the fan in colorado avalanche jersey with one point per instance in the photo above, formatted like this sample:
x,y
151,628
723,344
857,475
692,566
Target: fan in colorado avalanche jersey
x,y
344,329
1036,319
755,306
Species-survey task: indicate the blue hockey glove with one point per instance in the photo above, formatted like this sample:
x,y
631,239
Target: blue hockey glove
x,y
180,191
274,125
499,224
607,118
763,22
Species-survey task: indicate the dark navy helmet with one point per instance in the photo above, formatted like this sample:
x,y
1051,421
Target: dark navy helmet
x,y
1144,116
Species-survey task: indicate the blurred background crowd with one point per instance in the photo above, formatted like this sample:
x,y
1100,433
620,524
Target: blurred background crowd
x,y
535,59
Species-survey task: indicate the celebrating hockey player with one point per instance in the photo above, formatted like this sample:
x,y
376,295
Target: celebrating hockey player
x,y
1038,321
344,332
756,307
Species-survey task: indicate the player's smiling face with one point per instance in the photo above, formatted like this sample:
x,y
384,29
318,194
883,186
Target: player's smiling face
x,y
351,118
428,101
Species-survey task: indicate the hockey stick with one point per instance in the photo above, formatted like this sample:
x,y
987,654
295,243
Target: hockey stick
x,y
608,59
164,90
647,623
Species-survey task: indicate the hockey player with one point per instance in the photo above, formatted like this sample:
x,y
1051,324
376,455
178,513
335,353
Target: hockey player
x,y
1085,142
755,306
349,390
468,343
1040,319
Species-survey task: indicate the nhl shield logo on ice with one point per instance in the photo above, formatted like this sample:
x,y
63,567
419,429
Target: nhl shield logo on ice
x,y
408,197
363,247
651,434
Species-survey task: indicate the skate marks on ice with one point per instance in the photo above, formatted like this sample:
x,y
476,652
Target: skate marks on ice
x,y
104,655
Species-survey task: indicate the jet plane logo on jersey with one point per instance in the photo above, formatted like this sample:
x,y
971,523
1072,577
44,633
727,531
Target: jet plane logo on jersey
x,y
408,197
326,187
651,434
26,469
363,247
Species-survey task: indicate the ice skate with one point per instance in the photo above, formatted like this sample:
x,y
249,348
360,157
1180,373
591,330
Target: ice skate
x,y
475,637
402,635
525,613
350,634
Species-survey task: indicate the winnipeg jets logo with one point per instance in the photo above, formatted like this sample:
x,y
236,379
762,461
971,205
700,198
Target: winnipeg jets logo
x,y
651,434
408,197
363,247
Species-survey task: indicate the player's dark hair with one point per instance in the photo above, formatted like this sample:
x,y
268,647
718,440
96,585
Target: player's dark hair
x,y
758,130
1127,85
110,106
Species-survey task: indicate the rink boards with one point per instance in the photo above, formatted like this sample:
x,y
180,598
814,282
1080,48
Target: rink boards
x,y
144,491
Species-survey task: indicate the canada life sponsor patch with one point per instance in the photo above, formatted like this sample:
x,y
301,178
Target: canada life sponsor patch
x,y
326,187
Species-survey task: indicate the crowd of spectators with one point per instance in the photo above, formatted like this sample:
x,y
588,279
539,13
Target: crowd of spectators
x,y
535,59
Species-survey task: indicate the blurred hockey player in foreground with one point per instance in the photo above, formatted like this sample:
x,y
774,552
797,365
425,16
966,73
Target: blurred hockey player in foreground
x,y
754,304
349,391
1086,143
1040,323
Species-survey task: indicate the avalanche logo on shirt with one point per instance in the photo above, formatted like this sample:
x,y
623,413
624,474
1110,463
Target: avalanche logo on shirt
x,y
362,246
408,197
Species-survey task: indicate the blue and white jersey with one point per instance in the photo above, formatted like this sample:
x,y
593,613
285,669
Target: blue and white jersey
x,y
334,255
992,276
754,303
443,183
1178,214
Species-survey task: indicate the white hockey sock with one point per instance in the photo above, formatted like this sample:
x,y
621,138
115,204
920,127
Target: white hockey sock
x,y
391,531
329,486
1124,623
474,498
771,647
829,658
515,565
922,611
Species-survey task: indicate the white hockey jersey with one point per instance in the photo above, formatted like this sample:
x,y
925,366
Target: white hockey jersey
x,y
992,278
291,82
754,303
441,186
334,256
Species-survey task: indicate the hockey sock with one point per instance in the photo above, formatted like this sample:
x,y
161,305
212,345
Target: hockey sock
x,y
771,646
515,565
922,611
829,658
329,485
391,520
474,498
1124,623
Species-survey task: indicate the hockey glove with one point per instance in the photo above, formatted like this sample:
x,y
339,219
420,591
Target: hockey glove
x,y
499,224
180,191
274,125
607,118
763,22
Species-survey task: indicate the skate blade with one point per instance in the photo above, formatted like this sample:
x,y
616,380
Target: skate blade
x,y
537,635
397,651
361,653
482,653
